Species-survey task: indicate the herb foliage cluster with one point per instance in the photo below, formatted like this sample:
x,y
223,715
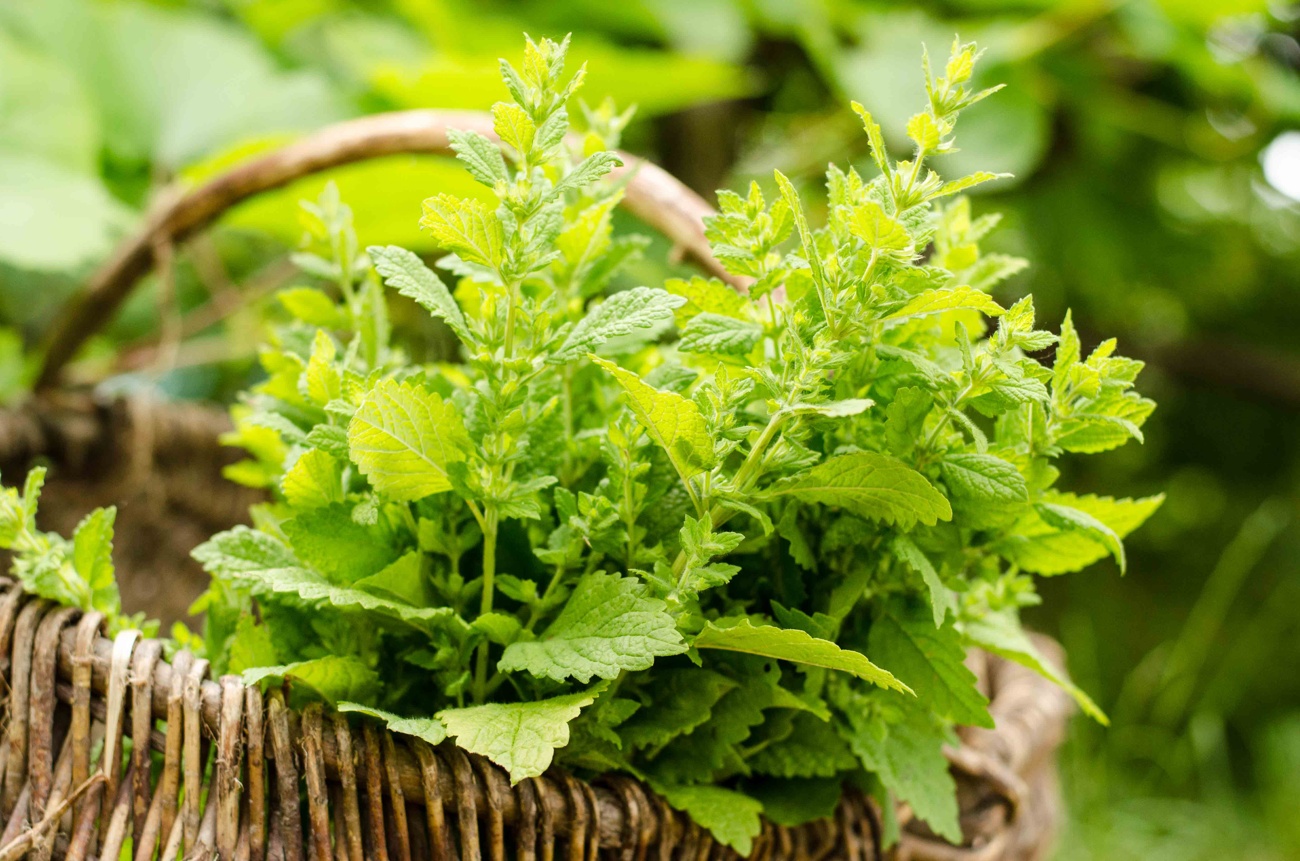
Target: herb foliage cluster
x,y
735,544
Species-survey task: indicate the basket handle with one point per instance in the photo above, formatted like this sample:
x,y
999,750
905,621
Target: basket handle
x,y
652,194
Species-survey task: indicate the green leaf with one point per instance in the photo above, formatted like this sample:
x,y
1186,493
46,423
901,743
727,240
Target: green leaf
x,y
513,125
406,273
430,729
683,699
983,478
313,307
706,295
731,817
321,381
587,171
1068,518
879,230
620,314
904,748
315,480
790,644
468,228
609,625
834,409
334,677
1001,634
403,438
92,557
984,490
267,567
481,157
405,579
870,485
796,801
520,737
719,335
947,299
813,749
942,600
931,661
1046,548
250,646
674,422
810,252
331,541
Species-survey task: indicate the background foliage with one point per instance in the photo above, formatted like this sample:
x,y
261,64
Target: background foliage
x,y
1154,192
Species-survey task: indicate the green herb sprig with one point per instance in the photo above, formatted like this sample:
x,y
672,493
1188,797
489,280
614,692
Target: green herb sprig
x,y
734,543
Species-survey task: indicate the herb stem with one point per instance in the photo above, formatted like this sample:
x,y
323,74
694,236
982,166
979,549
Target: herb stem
x,y
489,573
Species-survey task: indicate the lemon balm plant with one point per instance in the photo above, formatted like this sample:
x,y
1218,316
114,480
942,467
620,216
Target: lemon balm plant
x,y
736,544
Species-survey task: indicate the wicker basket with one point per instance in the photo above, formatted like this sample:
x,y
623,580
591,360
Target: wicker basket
x,y
246,777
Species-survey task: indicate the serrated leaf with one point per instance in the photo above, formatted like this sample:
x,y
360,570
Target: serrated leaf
x,y
520,737
719,335
513,125
92,558
878,229
430,729
870,485
733,818
835,409
587,171
250,646
404,579
1001,634
791,644
313,481
947,299
482,158
620,314
267,567
983,478
321,381
609,625
403,438
1043,548
957,186
984,490
813,749
674,422
1069,518
942,601
334,677
795,801
406,273
904,748
931,661
706,295
924,132
465,227
329,540
683,700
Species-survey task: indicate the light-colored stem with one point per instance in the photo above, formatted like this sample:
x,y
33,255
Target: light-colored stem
x,y
490,523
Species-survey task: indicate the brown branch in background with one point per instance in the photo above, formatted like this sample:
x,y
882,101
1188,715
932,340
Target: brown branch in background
x,y
224,303
652,195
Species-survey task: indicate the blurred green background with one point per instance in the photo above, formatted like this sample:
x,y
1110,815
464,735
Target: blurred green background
x,y
1156,151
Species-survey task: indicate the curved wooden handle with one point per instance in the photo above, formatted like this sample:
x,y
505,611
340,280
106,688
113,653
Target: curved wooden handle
x,y
653,195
